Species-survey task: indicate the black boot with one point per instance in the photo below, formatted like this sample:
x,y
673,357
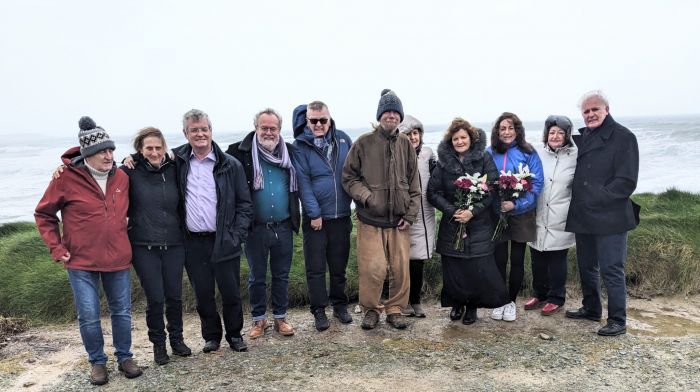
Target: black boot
x,y
180,348
457,312
160,353
470,316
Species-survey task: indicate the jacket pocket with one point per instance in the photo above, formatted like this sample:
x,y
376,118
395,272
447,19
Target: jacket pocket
x,y
376,205
401,198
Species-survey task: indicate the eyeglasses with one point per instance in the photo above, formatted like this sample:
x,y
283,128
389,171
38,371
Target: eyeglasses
x,y
269,129
315,121
194,131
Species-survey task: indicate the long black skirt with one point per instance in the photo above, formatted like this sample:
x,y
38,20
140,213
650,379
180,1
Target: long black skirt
x,y
474,282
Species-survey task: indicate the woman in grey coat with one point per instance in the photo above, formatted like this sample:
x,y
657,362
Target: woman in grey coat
x,y
549,251
423,230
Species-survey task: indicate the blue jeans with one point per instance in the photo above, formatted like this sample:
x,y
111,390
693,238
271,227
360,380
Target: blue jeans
x,y
86,294
274,242
603,256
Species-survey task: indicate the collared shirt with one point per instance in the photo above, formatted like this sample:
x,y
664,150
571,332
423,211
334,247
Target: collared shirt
x,y
200,195
272,202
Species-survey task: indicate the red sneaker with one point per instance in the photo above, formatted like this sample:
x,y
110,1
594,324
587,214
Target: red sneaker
x,y
533,303
550,309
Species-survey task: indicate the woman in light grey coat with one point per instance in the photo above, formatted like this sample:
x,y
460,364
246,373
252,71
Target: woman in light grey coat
x,y
423,230
549,251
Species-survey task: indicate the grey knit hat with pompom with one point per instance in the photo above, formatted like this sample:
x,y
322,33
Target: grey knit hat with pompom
x,y
92,138
388,102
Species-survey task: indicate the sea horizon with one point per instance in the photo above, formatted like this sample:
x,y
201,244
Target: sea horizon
x,y
665,142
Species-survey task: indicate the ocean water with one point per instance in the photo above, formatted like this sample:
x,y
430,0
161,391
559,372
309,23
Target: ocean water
x,y
669,148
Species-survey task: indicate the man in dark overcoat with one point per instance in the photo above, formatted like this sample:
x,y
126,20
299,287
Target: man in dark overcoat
x,y
601,211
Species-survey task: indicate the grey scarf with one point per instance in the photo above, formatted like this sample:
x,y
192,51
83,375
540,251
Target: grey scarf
x,y
282,161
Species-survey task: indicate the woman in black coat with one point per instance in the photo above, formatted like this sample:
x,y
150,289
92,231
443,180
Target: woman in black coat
x,y
157,242
470,276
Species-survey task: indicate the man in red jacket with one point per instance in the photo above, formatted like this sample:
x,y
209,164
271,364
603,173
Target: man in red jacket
x,y
93,197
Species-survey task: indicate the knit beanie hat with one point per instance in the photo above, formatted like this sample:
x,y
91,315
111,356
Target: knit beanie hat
x,y
389,101
92,138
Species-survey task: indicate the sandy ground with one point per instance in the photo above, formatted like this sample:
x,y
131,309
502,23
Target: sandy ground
x,y
660,352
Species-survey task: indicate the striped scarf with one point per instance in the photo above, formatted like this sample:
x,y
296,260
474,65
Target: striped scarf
x,y
282,161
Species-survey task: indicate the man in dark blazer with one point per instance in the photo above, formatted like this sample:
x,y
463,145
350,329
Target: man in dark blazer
x,y
601,211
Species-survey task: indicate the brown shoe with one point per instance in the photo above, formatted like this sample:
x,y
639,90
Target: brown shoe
x,y
98,375
130,368
397,320
370,320
258,329
284,328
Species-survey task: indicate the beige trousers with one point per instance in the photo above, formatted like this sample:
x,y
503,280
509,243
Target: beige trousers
x,y
383,252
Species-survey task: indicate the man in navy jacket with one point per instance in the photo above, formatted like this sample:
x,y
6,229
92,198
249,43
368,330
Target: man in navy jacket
x,y
321,152
601,211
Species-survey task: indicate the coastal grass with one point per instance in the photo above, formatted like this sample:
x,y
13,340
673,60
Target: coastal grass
x,y
663,259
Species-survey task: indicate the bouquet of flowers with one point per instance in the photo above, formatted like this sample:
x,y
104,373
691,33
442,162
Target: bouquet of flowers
x,y
510,187
470,190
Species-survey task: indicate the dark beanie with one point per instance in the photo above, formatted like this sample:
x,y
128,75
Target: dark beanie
x,y
389,101
92,138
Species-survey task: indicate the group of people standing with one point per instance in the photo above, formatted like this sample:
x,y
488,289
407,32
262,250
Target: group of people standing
x,y
199,208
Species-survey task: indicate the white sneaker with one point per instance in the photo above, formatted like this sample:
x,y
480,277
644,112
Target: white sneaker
x,y
497,313
509,312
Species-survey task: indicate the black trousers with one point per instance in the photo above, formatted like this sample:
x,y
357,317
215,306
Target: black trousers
x,y
160,272
415,268
329,247
203,275
517,265
549,275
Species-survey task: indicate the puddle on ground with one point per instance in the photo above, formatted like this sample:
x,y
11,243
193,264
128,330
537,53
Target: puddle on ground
x,y
646,323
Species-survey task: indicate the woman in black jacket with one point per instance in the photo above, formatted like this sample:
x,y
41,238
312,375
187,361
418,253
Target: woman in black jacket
x,y
155,231
470,276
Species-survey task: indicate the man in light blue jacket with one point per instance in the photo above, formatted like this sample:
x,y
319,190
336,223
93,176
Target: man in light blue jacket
x,y
326,222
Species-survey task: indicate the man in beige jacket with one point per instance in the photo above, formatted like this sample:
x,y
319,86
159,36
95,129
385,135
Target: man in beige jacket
x,y
381,176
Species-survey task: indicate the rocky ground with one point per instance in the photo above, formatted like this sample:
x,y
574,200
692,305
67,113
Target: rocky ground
x,y
660,352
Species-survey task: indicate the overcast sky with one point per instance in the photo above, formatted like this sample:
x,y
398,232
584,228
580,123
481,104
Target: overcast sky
x,y
130,64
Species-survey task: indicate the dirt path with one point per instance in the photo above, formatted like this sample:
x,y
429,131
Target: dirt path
x,y
660,352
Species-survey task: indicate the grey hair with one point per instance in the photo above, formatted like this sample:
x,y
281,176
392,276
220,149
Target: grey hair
x,y
269,111
593,94
195,115
316,105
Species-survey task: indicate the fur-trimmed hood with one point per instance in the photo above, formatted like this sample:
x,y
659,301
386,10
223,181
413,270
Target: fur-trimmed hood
x,y
448,159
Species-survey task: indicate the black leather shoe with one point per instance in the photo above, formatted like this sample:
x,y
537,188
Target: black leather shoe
x,y
238,345
456,313
320,320
160,354
342,315
179,348
469,317
210,345
612,329
582,313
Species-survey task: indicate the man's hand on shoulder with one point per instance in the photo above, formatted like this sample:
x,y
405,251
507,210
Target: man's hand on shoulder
x,y
57,173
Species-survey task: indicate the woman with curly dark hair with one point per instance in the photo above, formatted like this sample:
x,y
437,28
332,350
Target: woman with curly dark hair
x,y
470,277
510,150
